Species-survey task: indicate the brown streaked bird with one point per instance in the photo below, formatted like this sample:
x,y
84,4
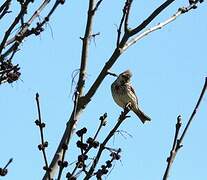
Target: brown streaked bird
x,y
123,93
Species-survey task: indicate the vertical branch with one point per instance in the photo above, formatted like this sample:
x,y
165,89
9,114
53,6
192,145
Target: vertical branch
x,y
124,19
44,143
85,46
79,89
170,159
128,7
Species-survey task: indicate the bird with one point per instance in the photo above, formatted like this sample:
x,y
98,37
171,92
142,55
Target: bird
x,y
123,94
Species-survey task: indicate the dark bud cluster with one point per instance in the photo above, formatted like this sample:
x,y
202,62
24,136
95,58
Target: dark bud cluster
x,y
81,132
115,154
108,164
81,145
69,176
47,169
3,172
43,146
103,119
62,1
9,72
92,143
63,164
39,124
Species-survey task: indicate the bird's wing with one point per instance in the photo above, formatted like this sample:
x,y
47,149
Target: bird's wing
x,y
133,94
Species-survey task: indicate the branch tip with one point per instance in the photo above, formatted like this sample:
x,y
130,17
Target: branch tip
x,y
112,74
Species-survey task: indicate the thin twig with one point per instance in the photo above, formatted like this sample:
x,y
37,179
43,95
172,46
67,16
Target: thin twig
x,y
4,171
4,8
159,26
171,158
177,144
25,32
65,146
152,16
44,143
128,7
124,12
97,5
14,23
152,29
121,118
4,5
194,111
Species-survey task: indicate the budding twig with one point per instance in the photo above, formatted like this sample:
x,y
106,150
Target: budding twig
x,y
177,143
44,144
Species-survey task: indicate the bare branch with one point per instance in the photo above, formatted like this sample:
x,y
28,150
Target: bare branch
x,y
123,19
4,8
79,89
97,5
150,30
15,22
149,19
25,32
128,7
120,120
171,158
44,143
177,144
194,111
4,171
159,26
84,54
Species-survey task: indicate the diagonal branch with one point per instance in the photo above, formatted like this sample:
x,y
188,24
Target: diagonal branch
x,y
25,32
178,141
102,147
159,26
150,30
4,8
4,5
194,111
22,32
149,19
14,23
4,170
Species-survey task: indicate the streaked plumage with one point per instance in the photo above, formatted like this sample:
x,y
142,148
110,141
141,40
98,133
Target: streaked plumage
x,y
123,93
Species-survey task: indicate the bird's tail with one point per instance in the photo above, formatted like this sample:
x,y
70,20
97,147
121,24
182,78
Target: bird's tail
x,y
142,116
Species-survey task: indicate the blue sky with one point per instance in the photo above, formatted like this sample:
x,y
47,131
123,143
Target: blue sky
x,y
169,68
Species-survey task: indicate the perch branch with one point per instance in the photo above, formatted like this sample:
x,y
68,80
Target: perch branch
x,y
121,118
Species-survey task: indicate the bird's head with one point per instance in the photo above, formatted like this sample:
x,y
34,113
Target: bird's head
x,y
125,77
